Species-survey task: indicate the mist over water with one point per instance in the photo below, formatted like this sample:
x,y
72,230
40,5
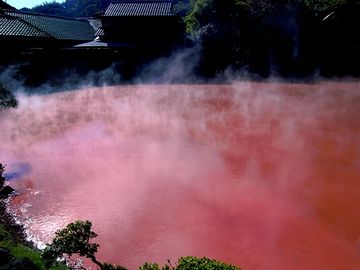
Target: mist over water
x,y
262,175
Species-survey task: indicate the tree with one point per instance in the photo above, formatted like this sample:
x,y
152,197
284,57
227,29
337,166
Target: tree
x,y
7,99
50,8
2,178
71,8
288,37
230,14
324,5
75,239
205,15
181,7
219,26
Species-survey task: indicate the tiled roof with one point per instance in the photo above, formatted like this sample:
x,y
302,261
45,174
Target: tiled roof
x,y
12,26
99,32
139,8
57,27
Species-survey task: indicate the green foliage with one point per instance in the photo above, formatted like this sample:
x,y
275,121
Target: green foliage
x,y
289,36
263,9
7,99
84,8
202,12
72,8
107,266
4,234
205,12
22,251
324,5
181,8
74,239
2,178
219,26
13,239
155,266
2,169
230,13
149,266
193,263
51,8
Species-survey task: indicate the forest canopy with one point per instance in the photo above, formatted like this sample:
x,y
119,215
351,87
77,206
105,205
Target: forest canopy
x,y
287,37
81,8
71,8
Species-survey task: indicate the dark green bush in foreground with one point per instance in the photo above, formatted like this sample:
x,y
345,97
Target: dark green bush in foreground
x,y
21,251
191,263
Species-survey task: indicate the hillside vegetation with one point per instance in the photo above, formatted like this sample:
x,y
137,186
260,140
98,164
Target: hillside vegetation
x,y
74,8
277,37
71,8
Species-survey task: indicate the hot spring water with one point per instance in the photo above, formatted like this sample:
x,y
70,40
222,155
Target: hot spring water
x,y
262,175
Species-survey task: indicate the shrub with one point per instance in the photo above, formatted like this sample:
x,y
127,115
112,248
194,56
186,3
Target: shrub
x,y
20,251
194,263
149,266
107,266
191,263
4,234
75,239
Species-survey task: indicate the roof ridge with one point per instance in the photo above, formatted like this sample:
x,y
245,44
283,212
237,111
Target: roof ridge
x,y
140,8
42,15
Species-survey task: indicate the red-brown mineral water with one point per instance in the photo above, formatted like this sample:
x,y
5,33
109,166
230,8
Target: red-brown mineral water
x,y
262,175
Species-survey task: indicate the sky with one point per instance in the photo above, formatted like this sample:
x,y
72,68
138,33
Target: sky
x,y
28,3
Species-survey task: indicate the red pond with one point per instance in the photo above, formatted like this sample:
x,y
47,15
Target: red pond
x,y
261,175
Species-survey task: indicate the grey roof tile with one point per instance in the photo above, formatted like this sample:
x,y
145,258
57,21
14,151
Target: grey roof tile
x,y
13,26
139,8
99,32
57,27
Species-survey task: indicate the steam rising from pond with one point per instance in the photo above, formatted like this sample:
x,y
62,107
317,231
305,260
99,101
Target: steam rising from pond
x,y
262,175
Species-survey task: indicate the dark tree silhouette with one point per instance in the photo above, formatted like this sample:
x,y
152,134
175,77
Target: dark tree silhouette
x,y
7,99
75,239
